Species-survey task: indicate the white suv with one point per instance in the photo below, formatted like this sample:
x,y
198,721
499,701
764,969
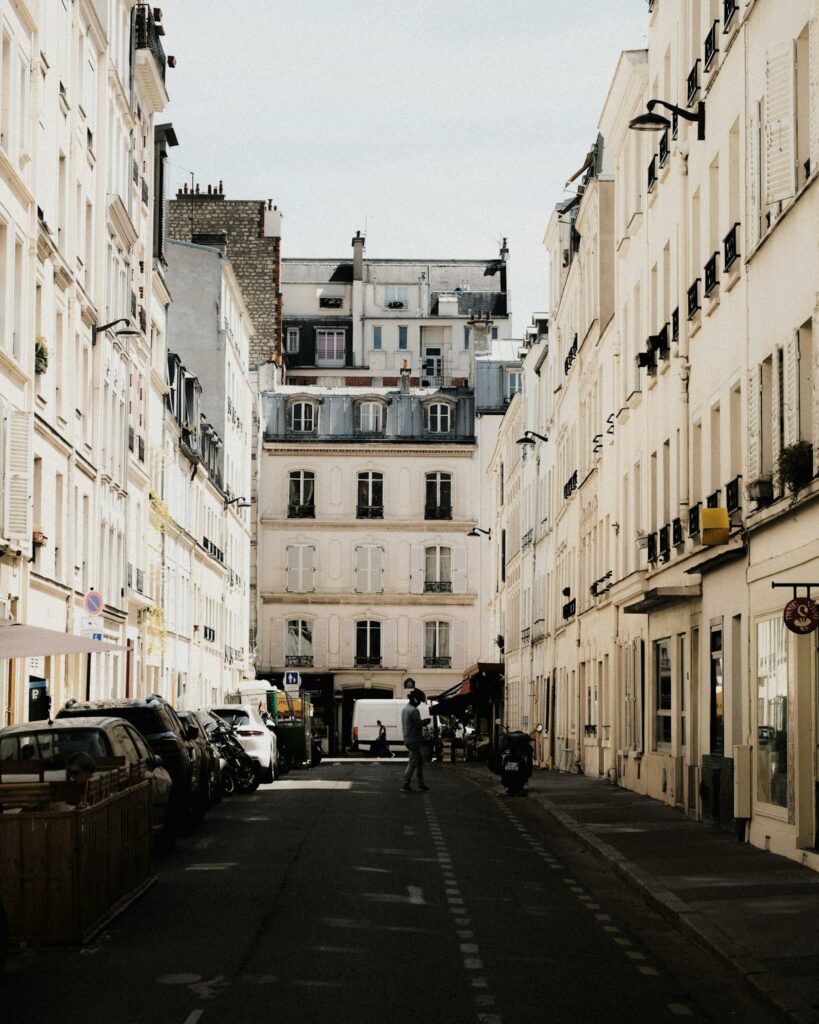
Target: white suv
x,y
255,737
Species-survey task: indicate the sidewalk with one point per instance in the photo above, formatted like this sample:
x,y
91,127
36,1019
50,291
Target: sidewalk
x,y
758,912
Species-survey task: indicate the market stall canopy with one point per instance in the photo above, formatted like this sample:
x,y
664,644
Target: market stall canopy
x,y
19,640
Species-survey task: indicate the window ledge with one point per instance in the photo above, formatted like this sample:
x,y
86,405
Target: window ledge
x,y
712,301
732,274
694,324
785,212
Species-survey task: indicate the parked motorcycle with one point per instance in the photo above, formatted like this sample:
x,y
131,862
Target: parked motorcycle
x,y
513,761
237,768
316,751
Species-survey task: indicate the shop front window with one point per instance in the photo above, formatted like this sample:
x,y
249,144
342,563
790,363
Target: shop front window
x,y
773,726
662,676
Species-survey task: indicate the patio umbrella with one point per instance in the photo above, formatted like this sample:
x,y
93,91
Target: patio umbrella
x,y
20,640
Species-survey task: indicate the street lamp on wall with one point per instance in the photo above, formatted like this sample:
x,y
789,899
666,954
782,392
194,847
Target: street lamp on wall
x,y
243,502
476,531
105,327
653,122
529,437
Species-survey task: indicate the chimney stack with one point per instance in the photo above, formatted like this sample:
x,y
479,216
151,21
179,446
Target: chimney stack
x,y
405,379
358,257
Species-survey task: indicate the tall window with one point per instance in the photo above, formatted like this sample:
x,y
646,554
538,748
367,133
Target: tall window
x,y
439,418
514,383
300,568
402,335
292,344
438,570
330,347
395,297
370,496
772,703
377,336
717,695
369,569
662,682
301,498
298,652
436,645
303,417
438,496
367,643
370,417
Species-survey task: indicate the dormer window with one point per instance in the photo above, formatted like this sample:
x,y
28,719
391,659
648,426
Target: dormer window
x,y
395,297
370,417
330,348
438,417
303,417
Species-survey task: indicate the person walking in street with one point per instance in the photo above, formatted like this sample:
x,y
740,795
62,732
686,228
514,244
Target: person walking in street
x,y
383,745
412,728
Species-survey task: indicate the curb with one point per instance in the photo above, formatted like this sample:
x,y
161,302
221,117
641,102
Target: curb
x,y
770,988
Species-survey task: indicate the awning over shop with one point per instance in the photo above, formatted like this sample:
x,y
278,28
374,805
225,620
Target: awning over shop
x,y
481,686
662,597
20,640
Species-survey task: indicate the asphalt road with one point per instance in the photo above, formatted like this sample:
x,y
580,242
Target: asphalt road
x,y
330,896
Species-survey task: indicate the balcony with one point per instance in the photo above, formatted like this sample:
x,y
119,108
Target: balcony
x,y
148,38
298,661
145,193
647,360
130,575
694,299
664,148
131,437
141,449
368,661
526,539
140,581
659,342
711,48
652,174
590,730
437,512
570,486
675,124
209,633
135,172
437,586
675,324
729,243
694,520
524,635
143,320
732,495
570,356
369,512
712,501
569,608
651,548
729,9
665,543
301,511
711,275
693,83
444,662
133,305
676,532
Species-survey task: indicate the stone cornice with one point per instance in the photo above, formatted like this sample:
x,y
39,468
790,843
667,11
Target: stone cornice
x,y
316,526
351,597
467,451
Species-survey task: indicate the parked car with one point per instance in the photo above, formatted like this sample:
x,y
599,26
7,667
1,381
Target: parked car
x,y
154,717
52,743
255,737
209,777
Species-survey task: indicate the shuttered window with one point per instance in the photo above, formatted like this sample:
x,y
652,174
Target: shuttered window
x,y
369,569
300,568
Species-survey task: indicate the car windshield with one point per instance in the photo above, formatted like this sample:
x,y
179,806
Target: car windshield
x,y
231,716
53,745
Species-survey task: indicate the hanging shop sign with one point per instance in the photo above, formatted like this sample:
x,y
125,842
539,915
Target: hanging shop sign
x,y
801,615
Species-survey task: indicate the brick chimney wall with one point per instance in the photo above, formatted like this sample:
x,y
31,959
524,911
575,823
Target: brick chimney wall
x,y
256,259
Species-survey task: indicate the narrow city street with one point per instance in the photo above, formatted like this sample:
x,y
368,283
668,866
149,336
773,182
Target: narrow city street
x,y
332,896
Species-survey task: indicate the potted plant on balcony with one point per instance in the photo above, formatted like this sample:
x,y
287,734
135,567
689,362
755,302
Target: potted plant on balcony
x,y
38,536
795,467
40,355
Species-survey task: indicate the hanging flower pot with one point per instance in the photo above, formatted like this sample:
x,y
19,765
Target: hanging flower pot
x,y
795,467
40,355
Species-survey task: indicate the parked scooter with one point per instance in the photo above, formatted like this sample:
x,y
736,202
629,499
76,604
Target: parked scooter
x,y
316,752
237,768
513,761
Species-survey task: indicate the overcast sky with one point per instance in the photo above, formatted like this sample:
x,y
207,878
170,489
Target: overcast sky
x,y
440,126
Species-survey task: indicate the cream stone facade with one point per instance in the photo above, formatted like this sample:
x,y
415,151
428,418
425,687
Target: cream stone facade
x,y
676,381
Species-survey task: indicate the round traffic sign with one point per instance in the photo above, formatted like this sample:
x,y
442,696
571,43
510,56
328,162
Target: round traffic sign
x,y
801,615
93,602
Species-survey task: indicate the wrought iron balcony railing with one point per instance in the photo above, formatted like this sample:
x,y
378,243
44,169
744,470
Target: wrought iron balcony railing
x,y
301,511
711,48
526,539
147,36
437,662
712,501
694,299
652,174
437,586
694,520
693,82
665,542
525,634
570,486
437,512
733,494
676,532
368,661
298,660
131,439
729,9
664,148
141,448
569,608
590,729
140,581
145,192
651,548
711,274
730,250
369,512
675,324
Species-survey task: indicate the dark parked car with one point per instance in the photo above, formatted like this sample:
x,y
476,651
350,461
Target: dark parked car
x,y
50,744
176,744
210,776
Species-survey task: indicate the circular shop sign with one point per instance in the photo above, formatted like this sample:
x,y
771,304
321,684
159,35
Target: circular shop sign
x,y
801,615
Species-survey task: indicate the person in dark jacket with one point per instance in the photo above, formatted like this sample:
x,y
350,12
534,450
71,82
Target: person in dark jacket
x,y
413,730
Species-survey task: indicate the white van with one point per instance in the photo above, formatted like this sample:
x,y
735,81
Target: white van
x,y
366,714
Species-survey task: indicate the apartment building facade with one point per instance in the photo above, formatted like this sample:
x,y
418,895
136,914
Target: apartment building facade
x,y
678,397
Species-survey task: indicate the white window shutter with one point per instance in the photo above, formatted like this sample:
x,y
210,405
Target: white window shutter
x,y
813,45
320,659
377,569
459,570
277,630
815,373
389,635
292,568
780,136
776,414
309,568
416,645
791,388
417,569
361,570
19,464
459,645
754,183
754,445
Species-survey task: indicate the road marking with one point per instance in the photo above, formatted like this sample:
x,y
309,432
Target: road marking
x,y
312,983
603,917
469,947
194,1017
473,963
465,933
178,979
479,983
203,844
650,972
680,1009
622,942
375,871
209,989
211,867
416,894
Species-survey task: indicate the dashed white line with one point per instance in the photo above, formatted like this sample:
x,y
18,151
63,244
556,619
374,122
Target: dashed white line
x,y
194,1017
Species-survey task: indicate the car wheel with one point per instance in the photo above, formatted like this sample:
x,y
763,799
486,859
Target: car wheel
x,y
228,782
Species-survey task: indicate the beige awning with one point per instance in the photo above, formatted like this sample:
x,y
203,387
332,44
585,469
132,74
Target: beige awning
x,y
19,640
